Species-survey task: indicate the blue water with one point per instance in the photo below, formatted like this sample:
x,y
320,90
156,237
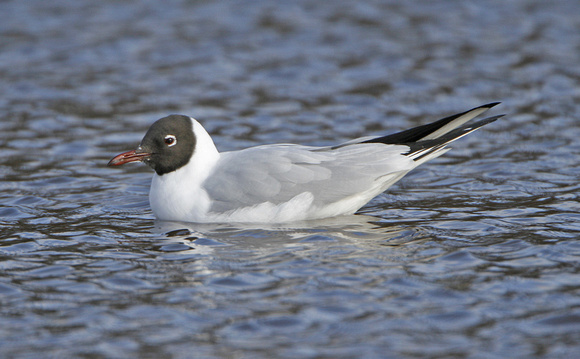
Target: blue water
x,y
473,255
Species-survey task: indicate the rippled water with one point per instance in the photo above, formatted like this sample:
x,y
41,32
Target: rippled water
x,y
472,255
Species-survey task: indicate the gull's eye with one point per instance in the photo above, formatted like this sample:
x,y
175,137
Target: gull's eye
x,y
170,140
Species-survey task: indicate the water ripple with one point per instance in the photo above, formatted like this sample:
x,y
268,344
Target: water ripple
x,y
472,255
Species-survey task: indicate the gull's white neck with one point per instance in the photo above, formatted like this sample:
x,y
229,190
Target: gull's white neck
x,y
178,195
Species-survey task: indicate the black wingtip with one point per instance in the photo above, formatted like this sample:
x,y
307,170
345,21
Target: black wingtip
x,y
440,142
417,133
485,121
490,105
458,132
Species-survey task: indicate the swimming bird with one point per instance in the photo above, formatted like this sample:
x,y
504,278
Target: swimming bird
x,y
277,183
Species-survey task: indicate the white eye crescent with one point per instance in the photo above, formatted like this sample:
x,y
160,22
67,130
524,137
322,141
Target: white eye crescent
x,y
170,140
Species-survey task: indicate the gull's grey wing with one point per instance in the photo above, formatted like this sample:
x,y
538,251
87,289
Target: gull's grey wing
x,y
278,173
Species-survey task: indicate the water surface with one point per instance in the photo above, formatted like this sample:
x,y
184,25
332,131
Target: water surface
x,y
472,255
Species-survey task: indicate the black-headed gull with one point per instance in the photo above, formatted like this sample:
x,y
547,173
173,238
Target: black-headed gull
x,y
282,182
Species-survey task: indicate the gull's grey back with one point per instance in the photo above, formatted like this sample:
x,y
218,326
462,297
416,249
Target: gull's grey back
x,y
277,173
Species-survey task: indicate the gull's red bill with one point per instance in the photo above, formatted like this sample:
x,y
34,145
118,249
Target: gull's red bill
x,y
126,157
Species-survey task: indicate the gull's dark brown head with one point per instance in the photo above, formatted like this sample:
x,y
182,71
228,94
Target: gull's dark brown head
x,y
167,146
